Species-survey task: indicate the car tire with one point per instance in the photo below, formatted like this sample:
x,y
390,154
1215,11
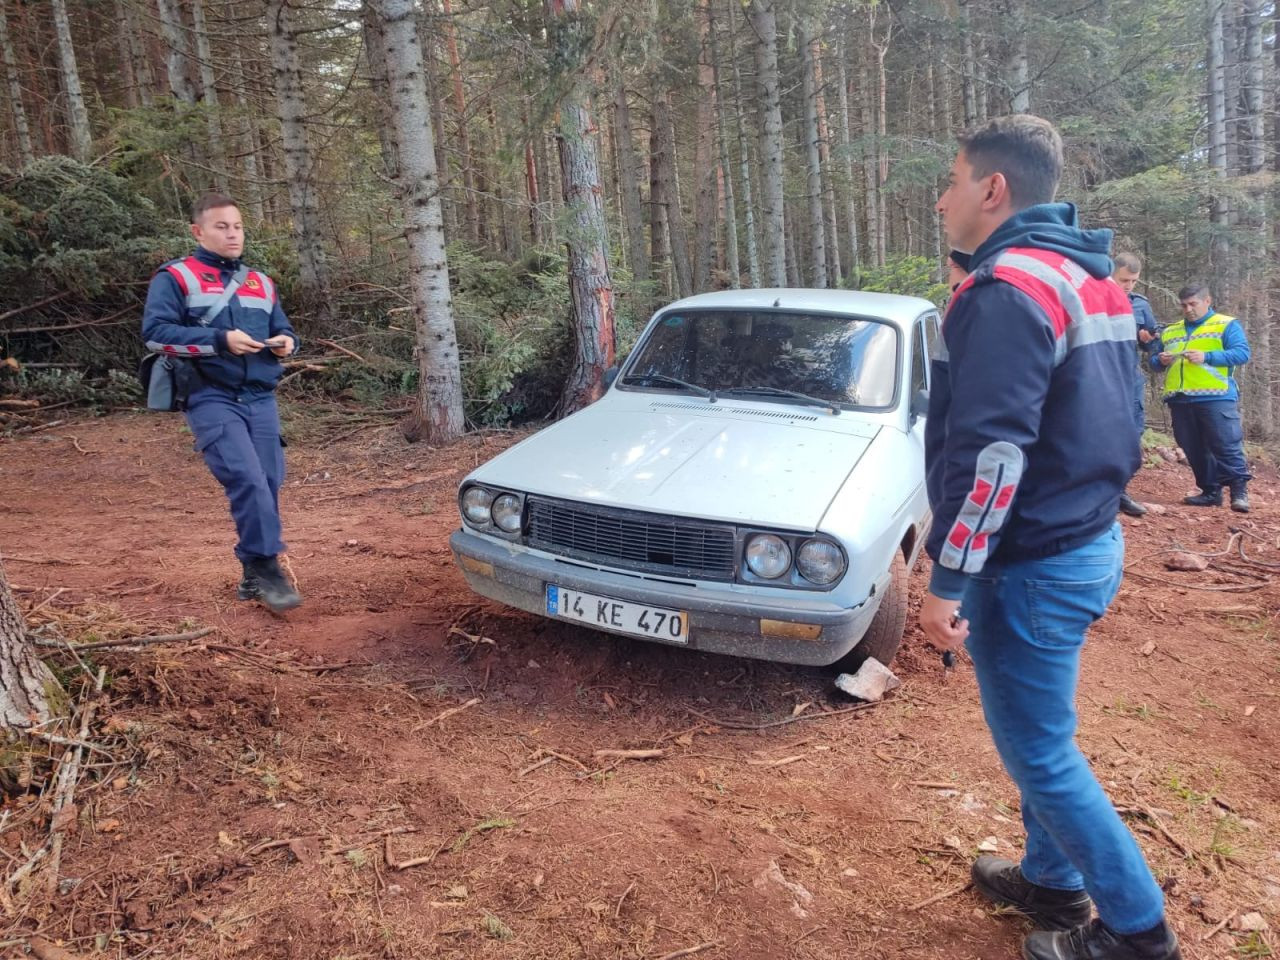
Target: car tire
x,y
884,636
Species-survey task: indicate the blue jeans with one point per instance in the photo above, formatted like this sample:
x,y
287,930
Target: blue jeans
x,y
241,443
1027,625
1210,434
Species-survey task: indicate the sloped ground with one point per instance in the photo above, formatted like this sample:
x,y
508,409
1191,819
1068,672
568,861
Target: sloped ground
x,y
271,778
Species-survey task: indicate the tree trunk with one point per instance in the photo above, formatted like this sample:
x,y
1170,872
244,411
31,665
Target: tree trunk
x,y
732,266
375,55
438,416
846,143
773,226
629,183
970,72
470,202
124,57
139,67
705,214
744,158
882,138
665,159
1253,88
77,113
292,108
26,153
1017,69
831,217
209,94
589,282
1215,68
871,167
659,242
248,139
24,679
175,35
817,220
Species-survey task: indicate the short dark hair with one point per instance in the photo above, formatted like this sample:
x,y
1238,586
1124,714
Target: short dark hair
x,y
1128,261
211,201
1196,288
1025,148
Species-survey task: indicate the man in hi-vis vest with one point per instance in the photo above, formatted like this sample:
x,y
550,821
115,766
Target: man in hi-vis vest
x,y
1198,355
225,320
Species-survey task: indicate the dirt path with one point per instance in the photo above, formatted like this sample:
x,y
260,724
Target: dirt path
x,y
811,839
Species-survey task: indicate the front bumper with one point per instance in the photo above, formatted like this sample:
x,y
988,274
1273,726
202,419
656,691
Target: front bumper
x,y
794,627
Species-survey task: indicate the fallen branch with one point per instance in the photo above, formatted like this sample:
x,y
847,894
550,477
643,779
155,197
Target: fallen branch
x,y
690,951
68,778
137,641
446,714
33,306
630,754
1150,815
52,561
341,349
395,864
1218,926
939,897
733,725
7,404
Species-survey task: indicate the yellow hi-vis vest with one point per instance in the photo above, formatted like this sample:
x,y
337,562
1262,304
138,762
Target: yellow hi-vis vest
x,y
1196,379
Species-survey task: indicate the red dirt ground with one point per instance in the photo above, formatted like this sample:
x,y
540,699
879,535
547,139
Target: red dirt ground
x,y
246,738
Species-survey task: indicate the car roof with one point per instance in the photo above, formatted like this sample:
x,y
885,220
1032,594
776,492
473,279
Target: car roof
x,y
899,310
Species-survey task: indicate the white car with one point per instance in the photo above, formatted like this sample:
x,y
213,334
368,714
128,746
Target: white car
x,y
751,483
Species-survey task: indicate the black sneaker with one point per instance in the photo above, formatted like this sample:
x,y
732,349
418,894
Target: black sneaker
x,y
1002,882
1205,498
264,581
1131,507
1240,499
1095,941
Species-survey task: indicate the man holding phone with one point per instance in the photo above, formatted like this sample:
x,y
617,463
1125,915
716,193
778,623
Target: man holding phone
x,y
225,319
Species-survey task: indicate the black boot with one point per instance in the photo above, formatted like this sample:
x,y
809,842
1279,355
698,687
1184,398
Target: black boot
x,y
1205,498
1096,941
1002,882
1131,507
266,582
1239,498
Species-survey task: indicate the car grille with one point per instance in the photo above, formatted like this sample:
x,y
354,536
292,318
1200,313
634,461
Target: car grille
x,y
637,541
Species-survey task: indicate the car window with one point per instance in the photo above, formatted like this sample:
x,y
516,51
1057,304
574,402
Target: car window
x,y
842,359
919,363
933,336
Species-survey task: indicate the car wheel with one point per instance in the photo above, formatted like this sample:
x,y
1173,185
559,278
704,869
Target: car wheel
x,y
884,636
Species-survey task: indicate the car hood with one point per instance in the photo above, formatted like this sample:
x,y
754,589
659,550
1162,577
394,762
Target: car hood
x,y
742,466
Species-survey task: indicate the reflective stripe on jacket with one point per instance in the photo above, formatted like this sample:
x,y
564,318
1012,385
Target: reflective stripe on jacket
x,y
1197,379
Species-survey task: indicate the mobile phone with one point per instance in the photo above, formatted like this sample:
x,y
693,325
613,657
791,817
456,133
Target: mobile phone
x,y
274,341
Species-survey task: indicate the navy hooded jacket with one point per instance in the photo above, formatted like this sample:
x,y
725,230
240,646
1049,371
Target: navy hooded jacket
x,y
1029,440
167,323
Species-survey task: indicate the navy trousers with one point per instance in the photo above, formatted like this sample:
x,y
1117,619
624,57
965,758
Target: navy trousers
x,y
1140,402
240,441
1209,433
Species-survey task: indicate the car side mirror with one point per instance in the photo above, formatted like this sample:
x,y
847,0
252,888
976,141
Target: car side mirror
x,y
919,404
610,375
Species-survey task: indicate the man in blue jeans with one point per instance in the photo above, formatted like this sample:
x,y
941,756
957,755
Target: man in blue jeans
x,y
1029,444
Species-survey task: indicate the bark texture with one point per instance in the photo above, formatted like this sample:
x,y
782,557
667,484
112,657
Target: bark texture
x,y
438,416
26,152
773,215
77,113
24,679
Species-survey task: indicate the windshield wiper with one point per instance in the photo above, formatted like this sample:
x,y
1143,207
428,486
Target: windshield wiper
x,y
662,380
775,392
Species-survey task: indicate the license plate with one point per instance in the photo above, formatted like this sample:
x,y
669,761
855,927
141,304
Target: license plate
x,y
635,619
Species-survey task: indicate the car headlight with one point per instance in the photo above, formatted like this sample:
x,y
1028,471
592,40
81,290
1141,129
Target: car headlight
x,y
768,556
507,511
477,504
820,562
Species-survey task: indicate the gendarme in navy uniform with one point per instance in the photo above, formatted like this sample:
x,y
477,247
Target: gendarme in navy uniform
x,y
1128,269
231,406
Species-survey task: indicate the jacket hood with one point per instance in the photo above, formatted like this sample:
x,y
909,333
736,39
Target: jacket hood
x,y
1055,227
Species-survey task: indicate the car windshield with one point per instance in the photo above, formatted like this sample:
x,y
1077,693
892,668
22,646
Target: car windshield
x,y
839,359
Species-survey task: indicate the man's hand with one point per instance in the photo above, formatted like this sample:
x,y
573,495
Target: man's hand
x,y
1145,336
940,621
281,345
240,343
1195,356
1166,359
